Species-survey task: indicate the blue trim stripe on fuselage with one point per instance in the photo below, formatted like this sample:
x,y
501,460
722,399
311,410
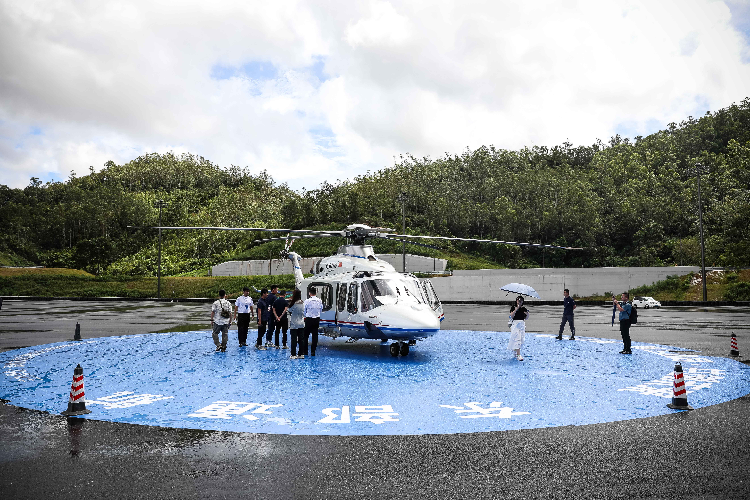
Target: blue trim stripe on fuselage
x,y
384,329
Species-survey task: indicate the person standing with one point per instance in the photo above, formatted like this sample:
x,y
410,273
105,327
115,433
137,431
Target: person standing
x,y
262,318
296,323
271,323
281,319
243,309
518,314
625,309
568,305
312,309
221,318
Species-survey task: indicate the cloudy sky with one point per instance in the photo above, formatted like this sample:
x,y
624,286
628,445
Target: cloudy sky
x,y
326,90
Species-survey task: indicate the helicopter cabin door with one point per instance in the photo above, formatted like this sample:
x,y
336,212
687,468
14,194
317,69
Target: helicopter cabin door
x,y
348,318
324,292
341,314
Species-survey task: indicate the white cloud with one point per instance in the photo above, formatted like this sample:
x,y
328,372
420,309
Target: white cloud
x,y
384,26
315,92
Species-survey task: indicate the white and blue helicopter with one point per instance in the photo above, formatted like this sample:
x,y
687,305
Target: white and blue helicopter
x,y
363,296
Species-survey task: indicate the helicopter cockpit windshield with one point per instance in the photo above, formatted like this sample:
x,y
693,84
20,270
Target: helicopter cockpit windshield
x,y
413,289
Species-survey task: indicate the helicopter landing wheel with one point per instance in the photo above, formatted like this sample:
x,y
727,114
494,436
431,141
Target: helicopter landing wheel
x,y
394,349
404,348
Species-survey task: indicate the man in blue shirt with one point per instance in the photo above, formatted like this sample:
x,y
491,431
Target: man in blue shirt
x,y
625,310
568,305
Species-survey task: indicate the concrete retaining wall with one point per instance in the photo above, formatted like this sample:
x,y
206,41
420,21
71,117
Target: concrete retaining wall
x,y
549,283
414,264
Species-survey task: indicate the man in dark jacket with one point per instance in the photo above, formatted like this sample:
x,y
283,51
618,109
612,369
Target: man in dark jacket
x,y
271,320
568,305
262,318
280,319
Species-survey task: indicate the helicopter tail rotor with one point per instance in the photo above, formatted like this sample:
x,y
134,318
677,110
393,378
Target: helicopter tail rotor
x,y
284,254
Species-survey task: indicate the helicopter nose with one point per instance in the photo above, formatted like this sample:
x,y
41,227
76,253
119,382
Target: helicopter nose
x,y
420,319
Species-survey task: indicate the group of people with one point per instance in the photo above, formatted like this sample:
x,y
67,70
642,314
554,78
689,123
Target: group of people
x,y
519,314
275,317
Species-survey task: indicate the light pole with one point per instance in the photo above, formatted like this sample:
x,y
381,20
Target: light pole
x,y
696,172
402,198
159,204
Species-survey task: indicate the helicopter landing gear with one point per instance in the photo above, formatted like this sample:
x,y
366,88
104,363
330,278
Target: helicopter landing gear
x,y
394,349
401,348
404,348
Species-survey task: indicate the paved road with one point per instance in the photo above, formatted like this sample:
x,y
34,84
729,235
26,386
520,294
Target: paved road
x,y
700,454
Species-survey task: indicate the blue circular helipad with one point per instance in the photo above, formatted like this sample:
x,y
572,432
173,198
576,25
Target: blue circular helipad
x,y
455,382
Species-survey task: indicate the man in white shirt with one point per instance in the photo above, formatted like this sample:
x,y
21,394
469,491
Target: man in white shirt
x,y
313,307
221,318
243,310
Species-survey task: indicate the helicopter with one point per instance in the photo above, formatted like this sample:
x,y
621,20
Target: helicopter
x,y
364,297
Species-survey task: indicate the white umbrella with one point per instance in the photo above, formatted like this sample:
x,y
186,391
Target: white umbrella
x,y
520,289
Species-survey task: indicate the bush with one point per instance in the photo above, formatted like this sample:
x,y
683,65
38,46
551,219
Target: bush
x,y
737,291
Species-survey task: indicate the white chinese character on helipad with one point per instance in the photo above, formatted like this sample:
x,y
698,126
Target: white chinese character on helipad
x,y
127,399
496,409
695,379
374,414
225,410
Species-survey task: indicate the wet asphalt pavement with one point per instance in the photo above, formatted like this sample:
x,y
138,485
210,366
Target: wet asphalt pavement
x,y
698,454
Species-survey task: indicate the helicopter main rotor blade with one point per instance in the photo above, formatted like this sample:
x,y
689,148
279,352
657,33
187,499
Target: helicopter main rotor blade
x,y
258,229
412,243
284,238
474,240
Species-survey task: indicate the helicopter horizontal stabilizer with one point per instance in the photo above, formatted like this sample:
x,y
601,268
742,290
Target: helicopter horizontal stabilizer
x,y
373,331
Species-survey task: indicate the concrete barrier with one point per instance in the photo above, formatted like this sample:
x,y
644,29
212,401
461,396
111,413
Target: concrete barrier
x,y
484,284
414,264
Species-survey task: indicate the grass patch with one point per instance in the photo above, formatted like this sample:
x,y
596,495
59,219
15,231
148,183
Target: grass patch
x,y
720,286
81,284
42,271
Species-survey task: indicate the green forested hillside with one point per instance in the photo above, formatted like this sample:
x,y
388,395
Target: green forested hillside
x,y
630,202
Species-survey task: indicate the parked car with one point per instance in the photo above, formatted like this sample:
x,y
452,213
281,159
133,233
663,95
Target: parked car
x,y
646,302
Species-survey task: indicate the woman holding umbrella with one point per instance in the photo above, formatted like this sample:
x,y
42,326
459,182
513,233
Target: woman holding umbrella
x,y
518,315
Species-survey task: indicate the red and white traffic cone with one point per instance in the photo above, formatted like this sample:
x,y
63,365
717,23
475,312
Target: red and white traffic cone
x,y
733,347
679,396
76,402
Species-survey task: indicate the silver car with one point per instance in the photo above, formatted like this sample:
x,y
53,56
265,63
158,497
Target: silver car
x,y
646,302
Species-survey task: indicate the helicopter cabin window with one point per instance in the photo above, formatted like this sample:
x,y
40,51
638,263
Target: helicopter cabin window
x,y
324,292
342,297
371,290
432,299
351,304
